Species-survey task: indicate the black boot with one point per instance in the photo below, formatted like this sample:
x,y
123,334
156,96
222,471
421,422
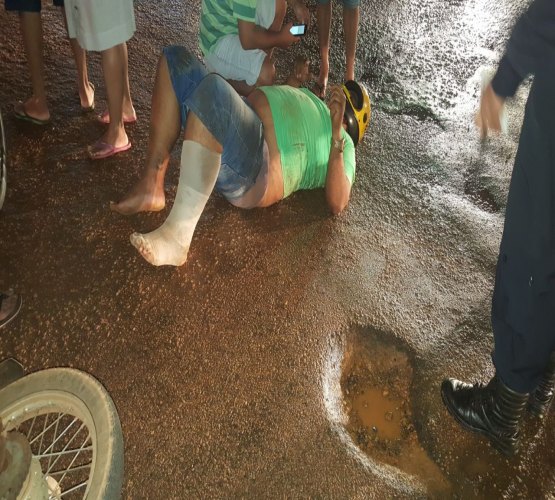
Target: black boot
x,y
540,399
493,410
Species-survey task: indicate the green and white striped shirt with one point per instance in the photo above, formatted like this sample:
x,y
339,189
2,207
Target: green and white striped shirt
x,y
220,18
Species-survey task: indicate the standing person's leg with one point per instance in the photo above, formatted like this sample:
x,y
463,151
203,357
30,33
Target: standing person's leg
x,y
523,306
323,16
129,114
128,109
350,30
35,108
178,75
115,138
105,26
85,88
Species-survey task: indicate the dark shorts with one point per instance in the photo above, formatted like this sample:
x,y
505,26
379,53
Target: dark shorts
x,y
29,5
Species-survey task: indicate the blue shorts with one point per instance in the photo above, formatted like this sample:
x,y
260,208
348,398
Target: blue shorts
x,y
349,4
227,116
29,5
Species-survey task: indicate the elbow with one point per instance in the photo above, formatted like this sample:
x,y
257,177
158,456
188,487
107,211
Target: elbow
x,y
337,206
246,41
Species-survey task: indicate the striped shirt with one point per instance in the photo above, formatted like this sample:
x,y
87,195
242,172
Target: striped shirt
x,y
220,18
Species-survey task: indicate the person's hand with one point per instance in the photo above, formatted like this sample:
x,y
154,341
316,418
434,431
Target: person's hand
x,y
488,117
286,39
336,104
301,12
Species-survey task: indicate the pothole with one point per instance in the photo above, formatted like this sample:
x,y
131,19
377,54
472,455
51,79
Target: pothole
x,y
376,377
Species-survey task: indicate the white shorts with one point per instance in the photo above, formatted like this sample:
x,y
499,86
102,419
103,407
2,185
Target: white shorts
x,y
230,60
100,24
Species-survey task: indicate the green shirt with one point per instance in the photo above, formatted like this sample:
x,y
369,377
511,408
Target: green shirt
x,y
220,18
303,131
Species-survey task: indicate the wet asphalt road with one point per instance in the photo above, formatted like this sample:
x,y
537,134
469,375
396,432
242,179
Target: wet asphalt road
x,y
225,371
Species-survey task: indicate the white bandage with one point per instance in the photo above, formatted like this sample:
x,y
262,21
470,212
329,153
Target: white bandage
x,y
169,244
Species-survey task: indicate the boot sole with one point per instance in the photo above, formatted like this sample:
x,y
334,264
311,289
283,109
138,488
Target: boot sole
x,y
498,445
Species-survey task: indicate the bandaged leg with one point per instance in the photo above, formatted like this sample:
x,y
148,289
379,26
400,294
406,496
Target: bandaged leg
x,y
169,244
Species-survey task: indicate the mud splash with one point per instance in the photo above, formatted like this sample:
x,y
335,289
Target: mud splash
x,y
376,384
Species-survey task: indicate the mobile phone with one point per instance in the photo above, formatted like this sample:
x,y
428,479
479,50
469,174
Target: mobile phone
x,y
298,29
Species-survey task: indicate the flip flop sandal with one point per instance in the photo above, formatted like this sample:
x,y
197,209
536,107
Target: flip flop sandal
x,y
100,150
21,114
10,304
89,109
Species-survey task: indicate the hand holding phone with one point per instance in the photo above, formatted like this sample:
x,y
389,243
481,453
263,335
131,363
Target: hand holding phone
x,y
298,29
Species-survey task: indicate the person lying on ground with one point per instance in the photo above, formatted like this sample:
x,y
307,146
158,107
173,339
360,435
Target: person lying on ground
x,y
237,38
255,152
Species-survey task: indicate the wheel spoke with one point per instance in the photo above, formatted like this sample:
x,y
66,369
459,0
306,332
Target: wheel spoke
x,y
42,433
45,429
73,469
31,428
53,442
51,446
66,446
63,452
74,458
73,488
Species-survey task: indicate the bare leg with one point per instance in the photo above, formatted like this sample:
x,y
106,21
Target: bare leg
x,y
113,61
148,193
350,28
86,90
323,15
31,29
129,114
128,109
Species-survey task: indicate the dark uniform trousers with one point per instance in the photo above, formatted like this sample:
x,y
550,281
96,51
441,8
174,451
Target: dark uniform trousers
x,y
523,307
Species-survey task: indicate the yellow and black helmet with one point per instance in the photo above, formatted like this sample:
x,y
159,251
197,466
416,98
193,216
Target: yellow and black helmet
x,y
357,110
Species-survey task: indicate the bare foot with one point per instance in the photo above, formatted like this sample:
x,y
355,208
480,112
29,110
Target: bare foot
x,y
86,96
33,109
144,196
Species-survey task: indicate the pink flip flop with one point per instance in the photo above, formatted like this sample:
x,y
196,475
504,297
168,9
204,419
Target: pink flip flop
x,y
105,118
100,150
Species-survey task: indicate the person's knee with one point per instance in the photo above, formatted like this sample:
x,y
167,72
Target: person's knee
x,y
267,73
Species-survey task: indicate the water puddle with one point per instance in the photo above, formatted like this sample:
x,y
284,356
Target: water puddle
x,y
375,383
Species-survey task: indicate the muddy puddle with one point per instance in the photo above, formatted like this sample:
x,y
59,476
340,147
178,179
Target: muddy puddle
x,y
375,384
388,411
